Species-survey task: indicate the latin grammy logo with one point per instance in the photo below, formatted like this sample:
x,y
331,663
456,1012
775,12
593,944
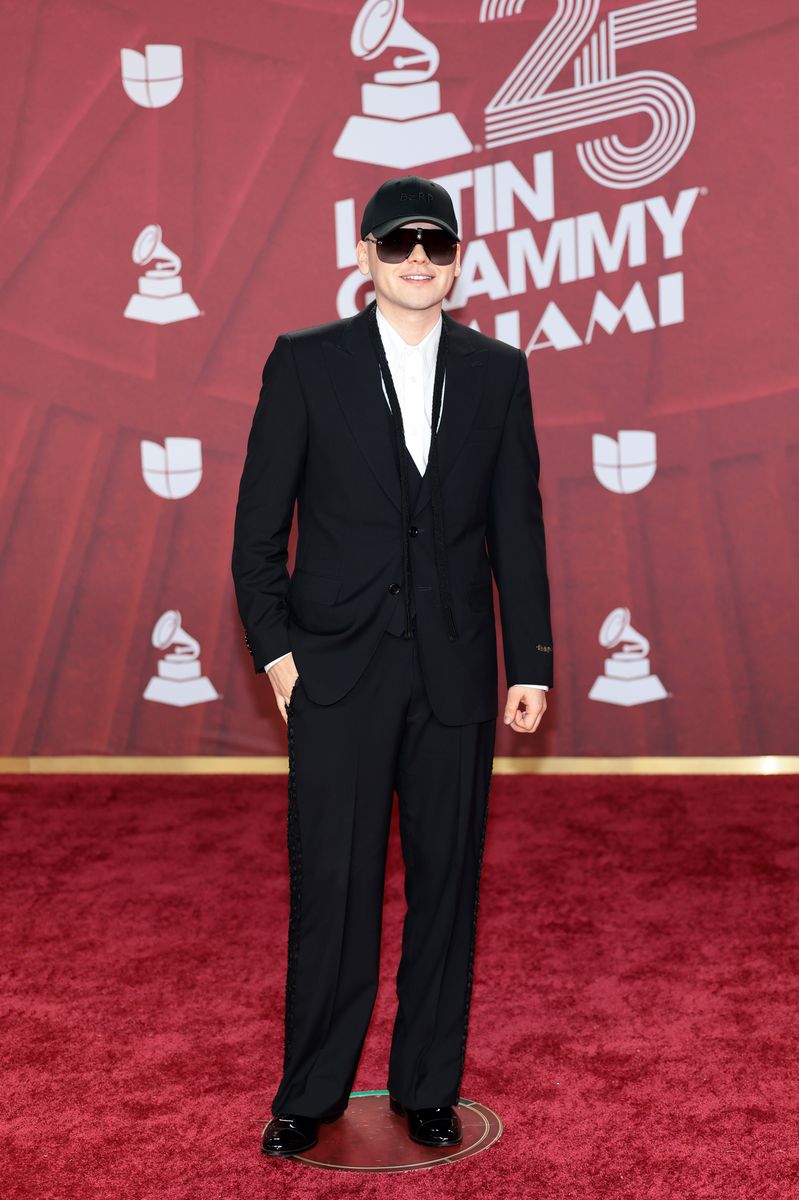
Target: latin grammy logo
x,y
160,299
402,123
627,679
173,470
155,78
180,681
529,103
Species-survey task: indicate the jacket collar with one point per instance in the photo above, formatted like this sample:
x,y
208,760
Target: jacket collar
x,y
356,381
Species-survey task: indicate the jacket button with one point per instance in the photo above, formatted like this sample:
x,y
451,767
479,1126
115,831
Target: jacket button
x,y
394,588
413,531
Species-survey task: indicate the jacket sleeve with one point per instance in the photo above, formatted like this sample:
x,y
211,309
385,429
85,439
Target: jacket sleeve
x,y
270,480
516,542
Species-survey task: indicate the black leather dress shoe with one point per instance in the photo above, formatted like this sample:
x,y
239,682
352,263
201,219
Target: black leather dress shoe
x,y
291,1133
440,1126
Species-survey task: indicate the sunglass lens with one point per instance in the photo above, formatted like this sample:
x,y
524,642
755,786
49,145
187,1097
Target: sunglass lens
x,y
439,246
396,246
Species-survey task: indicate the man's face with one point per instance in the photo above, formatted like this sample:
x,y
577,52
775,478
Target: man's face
x,y
415,283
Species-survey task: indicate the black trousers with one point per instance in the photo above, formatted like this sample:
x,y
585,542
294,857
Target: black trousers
x,y
345,762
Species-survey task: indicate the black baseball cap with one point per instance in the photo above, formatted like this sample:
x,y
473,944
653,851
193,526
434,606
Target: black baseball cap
x,y
409,198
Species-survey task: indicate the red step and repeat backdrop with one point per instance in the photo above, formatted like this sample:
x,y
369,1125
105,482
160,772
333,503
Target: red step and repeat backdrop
x,y
183,182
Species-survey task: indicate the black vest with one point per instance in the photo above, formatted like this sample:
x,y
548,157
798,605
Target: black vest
x,y
397,623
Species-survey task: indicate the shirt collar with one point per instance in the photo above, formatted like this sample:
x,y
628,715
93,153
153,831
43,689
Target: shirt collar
x,y
427,348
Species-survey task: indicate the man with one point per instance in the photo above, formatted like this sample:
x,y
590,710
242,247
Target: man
x,y
381,650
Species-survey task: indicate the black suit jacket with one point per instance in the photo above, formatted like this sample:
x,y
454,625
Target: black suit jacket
x,y
321,435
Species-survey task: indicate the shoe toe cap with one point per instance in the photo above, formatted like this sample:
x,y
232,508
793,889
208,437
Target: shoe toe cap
x,y
284,1136
440,1130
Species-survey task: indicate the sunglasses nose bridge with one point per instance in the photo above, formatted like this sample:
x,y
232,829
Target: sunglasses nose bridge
x,y
418,245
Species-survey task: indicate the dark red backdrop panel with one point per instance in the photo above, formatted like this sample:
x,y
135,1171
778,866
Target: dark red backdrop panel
x,y
669,306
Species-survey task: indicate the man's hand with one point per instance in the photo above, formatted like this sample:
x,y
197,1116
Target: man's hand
x,y
524,708
283,675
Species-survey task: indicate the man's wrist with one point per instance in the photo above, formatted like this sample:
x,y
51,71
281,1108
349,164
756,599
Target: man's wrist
x,y
279,658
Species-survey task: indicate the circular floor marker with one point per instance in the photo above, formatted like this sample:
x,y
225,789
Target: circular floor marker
x,y
370,1137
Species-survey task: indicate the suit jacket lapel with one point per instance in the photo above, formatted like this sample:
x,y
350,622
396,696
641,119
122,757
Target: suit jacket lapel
x,y
356,381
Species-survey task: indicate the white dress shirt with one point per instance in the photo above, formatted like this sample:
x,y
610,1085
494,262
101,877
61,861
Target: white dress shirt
x,y
413,370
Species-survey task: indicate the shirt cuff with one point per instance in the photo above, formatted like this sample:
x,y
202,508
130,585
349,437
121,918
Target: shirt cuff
x,y
277,660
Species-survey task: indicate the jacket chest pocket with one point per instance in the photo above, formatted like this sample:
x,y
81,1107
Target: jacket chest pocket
x,y
483,438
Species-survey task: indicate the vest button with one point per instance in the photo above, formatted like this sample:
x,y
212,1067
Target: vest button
x,y
413,531
393,588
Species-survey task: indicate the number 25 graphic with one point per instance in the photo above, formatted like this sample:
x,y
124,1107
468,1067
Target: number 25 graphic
x,y
523,107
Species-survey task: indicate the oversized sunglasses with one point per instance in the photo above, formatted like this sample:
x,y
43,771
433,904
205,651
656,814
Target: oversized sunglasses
x,y
438,245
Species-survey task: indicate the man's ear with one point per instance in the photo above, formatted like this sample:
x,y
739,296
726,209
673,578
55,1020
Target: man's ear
x,y
362,257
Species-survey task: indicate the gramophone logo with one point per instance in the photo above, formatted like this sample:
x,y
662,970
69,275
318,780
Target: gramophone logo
x,y
155,78
160,298
180,681
626,464
526,106
402,123
173,470
627,679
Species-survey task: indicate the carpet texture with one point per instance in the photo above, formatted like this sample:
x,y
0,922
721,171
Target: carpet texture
x,y
633,1021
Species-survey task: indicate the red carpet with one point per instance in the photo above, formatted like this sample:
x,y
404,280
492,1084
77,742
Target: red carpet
x,y
634,1015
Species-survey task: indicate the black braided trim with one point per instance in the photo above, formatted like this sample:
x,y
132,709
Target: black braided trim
x,y
439,536
470,971
295,882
